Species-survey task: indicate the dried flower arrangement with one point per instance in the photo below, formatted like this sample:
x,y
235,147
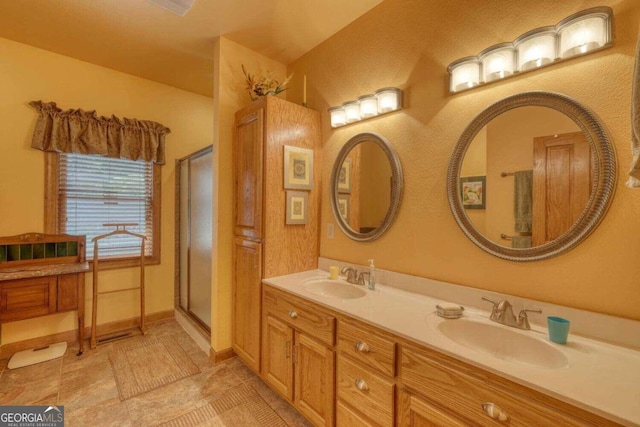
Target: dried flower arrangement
x,y
266,85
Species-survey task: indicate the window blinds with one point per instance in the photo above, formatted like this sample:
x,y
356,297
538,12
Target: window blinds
x,y
96,190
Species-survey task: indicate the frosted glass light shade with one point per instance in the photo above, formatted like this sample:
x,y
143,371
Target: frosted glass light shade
x,y
464,75
497,63
536,49
389,99
583,35
368,106
383,101
583,32
338,117
352,111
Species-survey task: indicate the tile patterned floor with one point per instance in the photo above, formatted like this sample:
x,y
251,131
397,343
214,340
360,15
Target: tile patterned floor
x,y
229,394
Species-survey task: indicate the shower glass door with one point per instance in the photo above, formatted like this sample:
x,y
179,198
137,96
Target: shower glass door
x,y
195,234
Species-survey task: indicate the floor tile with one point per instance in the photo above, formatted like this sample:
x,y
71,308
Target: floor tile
x,y
224,395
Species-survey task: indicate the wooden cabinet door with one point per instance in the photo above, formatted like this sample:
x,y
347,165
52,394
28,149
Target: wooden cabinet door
x,y
248,154
277,360
27,298
562,180
67,292
246,301
314,388
416,412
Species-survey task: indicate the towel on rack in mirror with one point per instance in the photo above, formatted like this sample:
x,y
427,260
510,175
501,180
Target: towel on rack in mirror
x,y
523,200
521,241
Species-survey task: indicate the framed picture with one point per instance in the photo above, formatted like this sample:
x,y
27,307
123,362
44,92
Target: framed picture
x,y
344,179
474,192
343,206
297,207
298,168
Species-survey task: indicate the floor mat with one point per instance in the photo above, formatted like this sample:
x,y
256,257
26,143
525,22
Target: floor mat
x,y
147,365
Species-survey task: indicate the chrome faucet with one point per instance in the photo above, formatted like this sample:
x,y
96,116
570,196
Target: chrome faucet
x,y
351,273
361,278
502,312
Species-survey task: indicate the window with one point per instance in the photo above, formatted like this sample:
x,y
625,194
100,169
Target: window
x,y
86,191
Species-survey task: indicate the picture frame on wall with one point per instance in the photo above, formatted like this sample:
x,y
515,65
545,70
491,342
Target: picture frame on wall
x,y
344,178
343,206
474,192
298,168
297,211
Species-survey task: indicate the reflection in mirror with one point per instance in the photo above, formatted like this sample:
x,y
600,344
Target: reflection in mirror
x,y
539,172
368,195
366,185
531,176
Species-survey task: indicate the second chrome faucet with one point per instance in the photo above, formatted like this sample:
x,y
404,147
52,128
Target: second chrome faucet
x,y
357,278
502,312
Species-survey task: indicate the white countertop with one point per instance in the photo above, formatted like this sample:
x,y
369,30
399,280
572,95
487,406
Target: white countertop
x,y
600,377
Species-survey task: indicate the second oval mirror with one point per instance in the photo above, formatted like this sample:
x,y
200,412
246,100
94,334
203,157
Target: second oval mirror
x,y
531,176
366,186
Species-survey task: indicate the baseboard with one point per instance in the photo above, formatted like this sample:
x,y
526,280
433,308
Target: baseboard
x,y
7,350
220,356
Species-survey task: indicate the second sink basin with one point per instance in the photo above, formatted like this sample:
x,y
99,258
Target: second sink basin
x,y
501,341
333,289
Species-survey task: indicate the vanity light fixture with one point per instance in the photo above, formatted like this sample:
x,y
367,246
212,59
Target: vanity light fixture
x,y
536,48
383,101
584,32
498,62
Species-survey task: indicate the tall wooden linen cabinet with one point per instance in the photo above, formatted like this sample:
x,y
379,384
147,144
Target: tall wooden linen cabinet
x,y
264,246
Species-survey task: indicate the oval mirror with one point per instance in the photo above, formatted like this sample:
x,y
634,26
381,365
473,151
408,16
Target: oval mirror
x,y
366,187
531,176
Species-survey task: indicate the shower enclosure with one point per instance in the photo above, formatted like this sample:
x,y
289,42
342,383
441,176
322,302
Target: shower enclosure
x,y
194,204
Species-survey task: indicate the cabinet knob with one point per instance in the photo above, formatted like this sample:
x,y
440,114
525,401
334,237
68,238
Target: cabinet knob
x,y
293,314
361,385
494,411
362,347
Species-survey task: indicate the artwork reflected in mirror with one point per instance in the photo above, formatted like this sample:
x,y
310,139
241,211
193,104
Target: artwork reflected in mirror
x,y
537,163
366,185
366,177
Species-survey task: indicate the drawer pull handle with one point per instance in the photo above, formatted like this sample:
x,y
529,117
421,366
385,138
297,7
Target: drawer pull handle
x,y
362,347
361,385
494,411
293,314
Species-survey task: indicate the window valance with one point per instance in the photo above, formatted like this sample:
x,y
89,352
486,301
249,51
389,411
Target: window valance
x,y
79,131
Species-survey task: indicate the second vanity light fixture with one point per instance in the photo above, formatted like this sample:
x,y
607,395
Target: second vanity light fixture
x,y
364,107
581,33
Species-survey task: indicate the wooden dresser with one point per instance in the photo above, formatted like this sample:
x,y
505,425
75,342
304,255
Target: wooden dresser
x,y
42,274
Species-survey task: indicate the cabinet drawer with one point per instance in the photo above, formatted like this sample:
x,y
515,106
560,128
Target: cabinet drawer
x,y
27,298
302,315
364,344
463,389
346,417
365,391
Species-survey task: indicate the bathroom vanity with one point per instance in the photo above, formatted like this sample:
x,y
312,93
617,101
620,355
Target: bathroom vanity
x,y
380,360
42,274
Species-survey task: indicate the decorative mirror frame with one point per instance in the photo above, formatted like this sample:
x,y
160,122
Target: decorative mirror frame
x,y
601,194
397,183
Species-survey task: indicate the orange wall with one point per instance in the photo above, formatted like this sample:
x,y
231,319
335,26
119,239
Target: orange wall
x,y
30,74
408,44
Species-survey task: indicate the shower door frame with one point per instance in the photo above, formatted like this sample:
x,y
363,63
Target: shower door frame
x,y
178,193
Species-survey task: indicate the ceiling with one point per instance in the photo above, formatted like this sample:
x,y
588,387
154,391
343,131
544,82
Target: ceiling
x,y
142,39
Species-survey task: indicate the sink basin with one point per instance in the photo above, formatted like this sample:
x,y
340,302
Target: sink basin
x,y
333,289
503,342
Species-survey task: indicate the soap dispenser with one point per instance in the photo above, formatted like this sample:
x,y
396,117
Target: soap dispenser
x,y
372,275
